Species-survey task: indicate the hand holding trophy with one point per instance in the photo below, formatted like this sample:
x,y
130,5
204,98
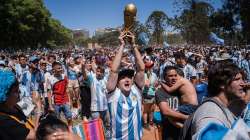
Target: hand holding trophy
x,y
129,21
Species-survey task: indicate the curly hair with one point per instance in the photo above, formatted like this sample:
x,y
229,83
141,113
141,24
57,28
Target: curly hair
x,y
221,74
7,80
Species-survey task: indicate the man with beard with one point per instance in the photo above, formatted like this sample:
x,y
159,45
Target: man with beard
x,y
124,94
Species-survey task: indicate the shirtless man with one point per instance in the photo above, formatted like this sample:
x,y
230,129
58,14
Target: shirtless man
x,y
175,83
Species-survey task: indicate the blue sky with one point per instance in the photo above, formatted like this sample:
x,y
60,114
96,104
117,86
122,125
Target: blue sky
x,y
93,14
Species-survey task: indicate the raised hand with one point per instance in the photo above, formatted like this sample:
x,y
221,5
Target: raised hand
x,y
132,37
123,34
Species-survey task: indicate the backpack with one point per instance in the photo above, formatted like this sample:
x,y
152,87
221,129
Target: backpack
x,y
28,123
185,133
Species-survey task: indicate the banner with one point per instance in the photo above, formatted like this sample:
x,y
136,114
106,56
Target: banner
x,y
90,130
215,39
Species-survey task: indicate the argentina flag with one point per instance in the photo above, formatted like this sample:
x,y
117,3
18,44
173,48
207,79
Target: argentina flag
x,y
215,131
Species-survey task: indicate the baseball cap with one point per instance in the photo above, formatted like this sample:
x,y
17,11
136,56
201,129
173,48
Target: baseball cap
x,y
33,59
125,73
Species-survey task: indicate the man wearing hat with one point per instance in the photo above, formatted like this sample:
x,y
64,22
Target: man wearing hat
x,y
124,95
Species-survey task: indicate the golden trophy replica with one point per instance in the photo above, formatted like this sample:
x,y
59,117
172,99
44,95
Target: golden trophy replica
x,y
129,20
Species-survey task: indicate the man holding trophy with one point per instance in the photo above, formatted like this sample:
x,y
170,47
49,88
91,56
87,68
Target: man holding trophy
x,y
125,87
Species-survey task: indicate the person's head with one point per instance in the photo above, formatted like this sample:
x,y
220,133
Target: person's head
x,y
14,58
225,77
170,74
71,62
125,80
198,59
57,68
51,59
180,59
109,62
100,72
162,57
22,60
34,62
248,56
88,64
49,125
9,88
78,60
149,63
43,65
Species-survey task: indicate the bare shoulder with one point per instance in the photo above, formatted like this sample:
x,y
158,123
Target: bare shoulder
x,y
186,82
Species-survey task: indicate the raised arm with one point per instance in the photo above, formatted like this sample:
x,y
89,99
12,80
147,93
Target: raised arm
x,y
113,76
140,67
174,87
93,66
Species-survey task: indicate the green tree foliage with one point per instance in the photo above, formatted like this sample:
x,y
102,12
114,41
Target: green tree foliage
x,y
109,39
156,24
27,23
194,21
175,38
225,22
245,19
233,21
139,28
80,39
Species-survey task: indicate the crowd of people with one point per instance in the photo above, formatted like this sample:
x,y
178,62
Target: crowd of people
x,y
199,91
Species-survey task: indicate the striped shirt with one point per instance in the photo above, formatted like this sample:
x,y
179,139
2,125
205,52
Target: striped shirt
x,y
98,93
125,114
189,71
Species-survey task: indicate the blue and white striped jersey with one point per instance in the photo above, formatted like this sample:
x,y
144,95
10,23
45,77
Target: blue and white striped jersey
x,y
125,114
189,71
98,93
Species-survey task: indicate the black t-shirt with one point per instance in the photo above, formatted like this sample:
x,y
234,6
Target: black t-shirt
x,y
10,129
170,132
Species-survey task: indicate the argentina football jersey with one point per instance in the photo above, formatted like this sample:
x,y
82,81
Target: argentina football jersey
x,y
125,114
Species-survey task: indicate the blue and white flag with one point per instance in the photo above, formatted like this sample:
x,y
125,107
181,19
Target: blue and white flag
x,y
143,39
215,39
215,131
165,44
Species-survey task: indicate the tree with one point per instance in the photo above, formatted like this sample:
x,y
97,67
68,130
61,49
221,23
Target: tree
x,y
245,18
139,28
109,39
194,22
175,38
27,23
233,21
156,23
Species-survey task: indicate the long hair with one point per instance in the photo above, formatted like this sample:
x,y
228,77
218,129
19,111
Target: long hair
x,y
221,74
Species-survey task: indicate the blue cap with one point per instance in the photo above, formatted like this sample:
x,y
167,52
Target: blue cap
x,y
33,59
7,79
